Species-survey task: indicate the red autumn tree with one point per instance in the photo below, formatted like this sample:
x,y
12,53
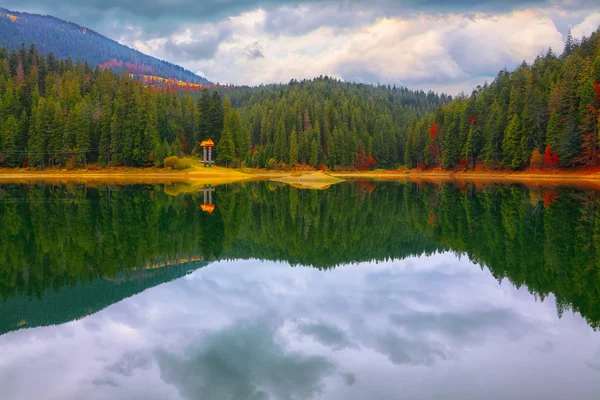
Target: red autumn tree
x,y
473,120
434,130
551,159
363,161
434,147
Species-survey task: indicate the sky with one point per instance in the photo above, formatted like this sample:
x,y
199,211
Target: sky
x,y
441,45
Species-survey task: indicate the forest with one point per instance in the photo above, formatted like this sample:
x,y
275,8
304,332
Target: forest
x,y
543,115
544,238
54,112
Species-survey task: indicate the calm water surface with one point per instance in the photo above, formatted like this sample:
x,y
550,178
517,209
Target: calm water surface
x,y
366,290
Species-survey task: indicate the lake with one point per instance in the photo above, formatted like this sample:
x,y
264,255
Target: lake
x,y
381,290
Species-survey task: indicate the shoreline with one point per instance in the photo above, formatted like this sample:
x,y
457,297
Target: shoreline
x,y
220,175
557,175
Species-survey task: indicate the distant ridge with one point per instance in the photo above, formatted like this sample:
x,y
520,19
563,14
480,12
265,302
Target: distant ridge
x,y
67,39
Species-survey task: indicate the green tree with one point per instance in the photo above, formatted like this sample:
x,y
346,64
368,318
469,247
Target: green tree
x,y
226,147
511,145
293,146
314,153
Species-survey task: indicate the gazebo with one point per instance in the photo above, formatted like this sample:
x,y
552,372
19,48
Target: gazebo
x,y
208,205
207,144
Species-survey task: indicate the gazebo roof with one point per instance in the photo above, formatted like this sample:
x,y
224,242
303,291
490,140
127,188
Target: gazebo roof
x,y
207,143
209,208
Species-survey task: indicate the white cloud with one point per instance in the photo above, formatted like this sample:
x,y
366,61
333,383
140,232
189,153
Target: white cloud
x,y
587,26
452,52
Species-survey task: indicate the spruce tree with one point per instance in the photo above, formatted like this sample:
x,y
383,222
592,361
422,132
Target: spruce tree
x,y
314,153
225,147
511,145
293,147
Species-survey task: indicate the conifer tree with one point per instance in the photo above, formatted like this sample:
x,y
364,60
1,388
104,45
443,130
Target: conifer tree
x,y
511,145
293,147
226,147
314,153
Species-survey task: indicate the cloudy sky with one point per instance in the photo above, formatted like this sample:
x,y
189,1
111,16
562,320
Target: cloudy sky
x,y
426,327
445,45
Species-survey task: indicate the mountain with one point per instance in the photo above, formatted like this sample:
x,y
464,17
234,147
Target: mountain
x,y
67,39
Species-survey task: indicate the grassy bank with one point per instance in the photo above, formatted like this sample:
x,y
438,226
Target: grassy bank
x,y
196,174
192,171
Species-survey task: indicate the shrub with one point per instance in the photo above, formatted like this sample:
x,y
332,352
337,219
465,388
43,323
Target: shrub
x,y
174,162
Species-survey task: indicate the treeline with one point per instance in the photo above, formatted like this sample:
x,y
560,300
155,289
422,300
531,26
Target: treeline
x,y
541,115
328,122
55,112
545,238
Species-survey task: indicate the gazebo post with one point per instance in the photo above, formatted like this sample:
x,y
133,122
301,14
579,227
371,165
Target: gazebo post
x,y
207,144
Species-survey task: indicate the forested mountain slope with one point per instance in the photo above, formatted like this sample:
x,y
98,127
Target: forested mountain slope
x,y
331,122
543,115
56,113
69,40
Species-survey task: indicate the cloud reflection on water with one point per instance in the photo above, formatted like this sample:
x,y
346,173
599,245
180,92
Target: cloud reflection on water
x,y
263,330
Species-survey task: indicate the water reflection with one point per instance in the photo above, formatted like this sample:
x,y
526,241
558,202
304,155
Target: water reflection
x,y
252,329
164,318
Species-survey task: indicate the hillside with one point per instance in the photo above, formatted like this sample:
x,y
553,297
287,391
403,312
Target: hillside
x,y
60,114
543,115
325,122
67,39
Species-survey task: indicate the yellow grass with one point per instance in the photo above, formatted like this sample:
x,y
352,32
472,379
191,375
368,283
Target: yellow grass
x,y
194,173
309,180
194,176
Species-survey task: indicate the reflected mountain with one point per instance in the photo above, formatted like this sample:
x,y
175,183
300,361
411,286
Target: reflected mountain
x,y
74,302
68,251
